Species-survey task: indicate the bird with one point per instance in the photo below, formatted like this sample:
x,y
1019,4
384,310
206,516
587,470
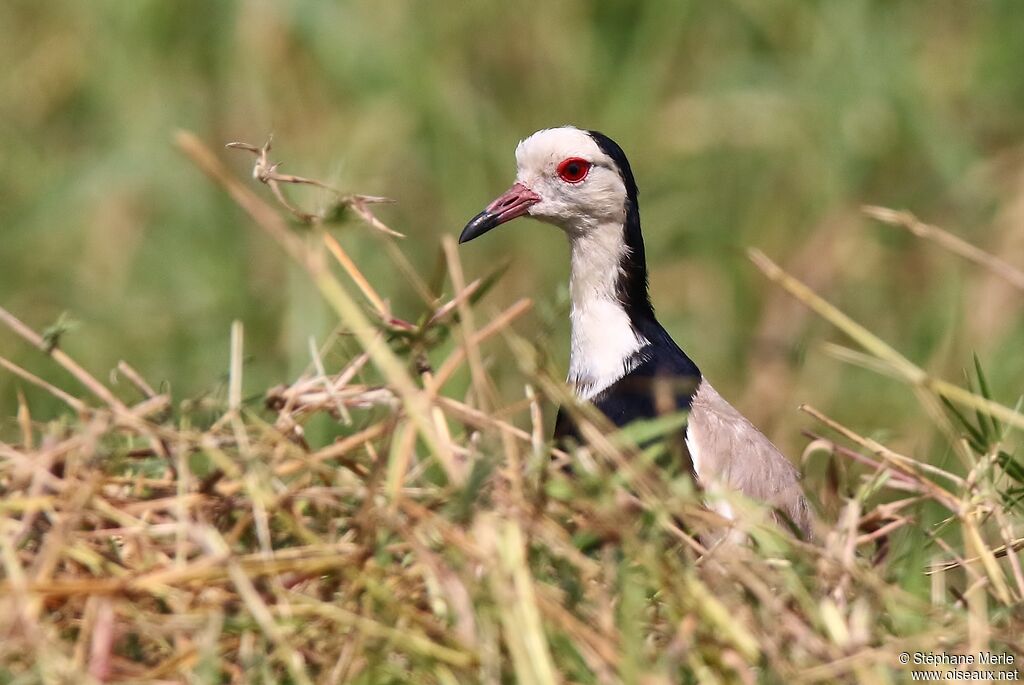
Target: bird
x,y
581,181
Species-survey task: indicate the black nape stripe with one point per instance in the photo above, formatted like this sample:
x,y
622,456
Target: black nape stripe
x,y
632,284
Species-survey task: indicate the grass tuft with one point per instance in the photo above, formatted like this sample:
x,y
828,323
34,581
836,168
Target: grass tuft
x,y
434,536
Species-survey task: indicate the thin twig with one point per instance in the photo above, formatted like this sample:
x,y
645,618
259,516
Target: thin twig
x,y
266,172
951,242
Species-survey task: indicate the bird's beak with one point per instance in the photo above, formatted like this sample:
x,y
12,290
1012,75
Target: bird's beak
x,y
516,201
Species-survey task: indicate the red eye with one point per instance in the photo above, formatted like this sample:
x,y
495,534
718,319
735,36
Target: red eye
x,y
574,169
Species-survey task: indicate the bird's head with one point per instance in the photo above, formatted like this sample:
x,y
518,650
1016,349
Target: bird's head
x,y
575,179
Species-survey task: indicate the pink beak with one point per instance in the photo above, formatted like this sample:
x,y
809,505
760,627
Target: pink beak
x,y
516,201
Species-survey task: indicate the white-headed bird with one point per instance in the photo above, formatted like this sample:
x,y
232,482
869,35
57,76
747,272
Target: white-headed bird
x,y
581,182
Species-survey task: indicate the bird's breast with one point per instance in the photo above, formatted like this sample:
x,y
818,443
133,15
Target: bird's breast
x,y
603,348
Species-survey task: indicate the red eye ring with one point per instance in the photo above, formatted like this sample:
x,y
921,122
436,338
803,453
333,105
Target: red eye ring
x,y
574,169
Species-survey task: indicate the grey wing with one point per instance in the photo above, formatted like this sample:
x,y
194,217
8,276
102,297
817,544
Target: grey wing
x,y
728,449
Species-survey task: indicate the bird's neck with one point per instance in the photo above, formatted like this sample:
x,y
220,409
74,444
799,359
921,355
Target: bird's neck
x,y
609,303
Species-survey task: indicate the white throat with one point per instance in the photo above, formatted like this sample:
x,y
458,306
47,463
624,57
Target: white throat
x,y
603,339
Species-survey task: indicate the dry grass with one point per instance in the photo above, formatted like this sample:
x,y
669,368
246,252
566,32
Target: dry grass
x,y
439,539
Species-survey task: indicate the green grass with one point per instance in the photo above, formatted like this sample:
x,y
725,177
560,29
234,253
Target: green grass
x,y
763,125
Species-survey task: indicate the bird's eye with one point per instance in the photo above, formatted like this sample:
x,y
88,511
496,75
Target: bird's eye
x,y
574,169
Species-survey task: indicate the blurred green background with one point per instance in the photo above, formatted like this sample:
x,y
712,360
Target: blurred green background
x,y
748,123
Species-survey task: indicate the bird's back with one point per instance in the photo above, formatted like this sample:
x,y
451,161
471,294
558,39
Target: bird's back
x,y
726,450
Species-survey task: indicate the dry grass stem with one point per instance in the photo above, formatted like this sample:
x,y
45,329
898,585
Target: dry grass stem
x,y
389,516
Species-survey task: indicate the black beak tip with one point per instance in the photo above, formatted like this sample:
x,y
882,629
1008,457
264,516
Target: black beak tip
x,y
478,225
